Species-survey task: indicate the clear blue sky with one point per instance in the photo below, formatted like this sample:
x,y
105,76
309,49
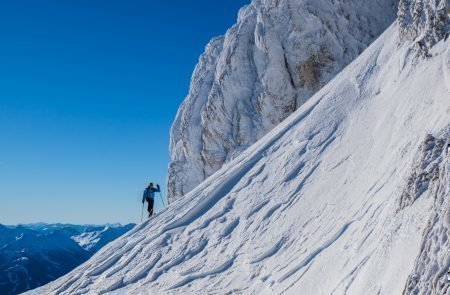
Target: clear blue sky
x,y
88,92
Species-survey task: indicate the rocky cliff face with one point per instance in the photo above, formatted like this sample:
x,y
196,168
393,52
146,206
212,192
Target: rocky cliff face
x,y
425,22
429,274
277,55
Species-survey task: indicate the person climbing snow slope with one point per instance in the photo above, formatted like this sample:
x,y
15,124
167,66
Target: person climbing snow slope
x,y
149,196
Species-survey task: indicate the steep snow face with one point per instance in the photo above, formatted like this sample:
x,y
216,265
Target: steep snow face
x,y
311,208
267,65
425,22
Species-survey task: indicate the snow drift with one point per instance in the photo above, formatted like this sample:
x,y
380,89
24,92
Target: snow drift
x,y
340,198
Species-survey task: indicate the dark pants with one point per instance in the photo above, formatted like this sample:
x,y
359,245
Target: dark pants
x,y
150,202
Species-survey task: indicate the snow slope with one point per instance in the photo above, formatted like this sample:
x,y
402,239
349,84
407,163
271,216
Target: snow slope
x,y
323,204
277,55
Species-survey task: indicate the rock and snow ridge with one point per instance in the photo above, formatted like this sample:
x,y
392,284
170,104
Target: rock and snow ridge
x,y
430,268
277,55
32,255
342,197
425,22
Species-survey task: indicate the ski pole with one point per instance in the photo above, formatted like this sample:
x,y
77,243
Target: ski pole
x,y
142,212
162,199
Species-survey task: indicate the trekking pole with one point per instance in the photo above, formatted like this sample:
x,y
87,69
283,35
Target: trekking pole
x,y
142,212
162,199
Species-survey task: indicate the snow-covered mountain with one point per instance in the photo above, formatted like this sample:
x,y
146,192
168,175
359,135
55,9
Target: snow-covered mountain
x,y
92,238
34,254
348,195
277,55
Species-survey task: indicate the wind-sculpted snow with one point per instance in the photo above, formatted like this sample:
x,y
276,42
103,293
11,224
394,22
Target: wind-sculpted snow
x,y
277,55
311,208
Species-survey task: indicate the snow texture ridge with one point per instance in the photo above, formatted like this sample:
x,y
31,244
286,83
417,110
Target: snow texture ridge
x,y
277,55
312,207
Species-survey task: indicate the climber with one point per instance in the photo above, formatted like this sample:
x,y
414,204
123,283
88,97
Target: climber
x,y
149,196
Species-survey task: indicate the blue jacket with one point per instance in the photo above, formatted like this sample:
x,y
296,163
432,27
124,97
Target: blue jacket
x,y
149,193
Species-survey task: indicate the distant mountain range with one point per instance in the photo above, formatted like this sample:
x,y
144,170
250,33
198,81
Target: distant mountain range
x,y
32,255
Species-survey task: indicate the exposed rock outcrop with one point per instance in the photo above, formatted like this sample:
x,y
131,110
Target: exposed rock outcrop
x,y
425,22
429,275
277,55
425,172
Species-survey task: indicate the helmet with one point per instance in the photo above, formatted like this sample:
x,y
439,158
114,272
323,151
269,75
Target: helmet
x,y
150,184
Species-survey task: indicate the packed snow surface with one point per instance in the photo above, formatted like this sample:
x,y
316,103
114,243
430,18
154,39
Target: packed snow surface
x,y
317,206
